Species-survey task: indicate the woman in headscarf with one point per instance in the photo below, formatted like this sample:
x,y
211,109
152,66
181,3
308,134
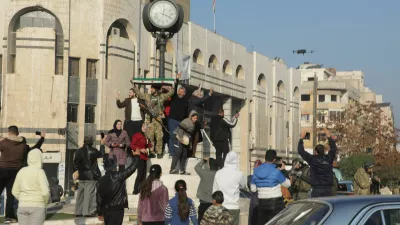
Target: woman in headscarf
x,y
117,140
196,103
253,199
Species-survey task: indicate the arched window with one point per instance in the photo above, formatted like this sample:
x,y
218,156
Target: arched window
x,y
281,88
296,94
213,62
198,57
118,29
240,72
227,68
262,81
32,17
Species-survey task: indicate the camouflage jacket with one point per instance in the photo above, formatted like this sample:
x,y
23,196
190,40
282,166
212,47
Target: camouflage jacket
x,y
362,182
154,102
217,215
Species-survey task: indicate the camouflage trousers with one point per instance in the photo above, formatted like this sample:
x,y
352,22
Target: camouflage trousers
x,y
155,132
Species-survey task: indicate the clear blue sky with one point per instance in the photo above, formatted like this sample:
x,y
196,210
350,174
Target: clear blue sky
x,y
346,34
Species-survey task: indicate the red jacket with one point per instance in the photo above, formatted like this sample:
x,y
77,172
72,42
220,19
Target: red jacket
x,y
139,141
167,107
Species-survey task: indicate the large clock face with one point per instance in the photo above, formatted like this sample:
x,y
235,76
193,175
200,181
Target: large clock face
x,y
163,14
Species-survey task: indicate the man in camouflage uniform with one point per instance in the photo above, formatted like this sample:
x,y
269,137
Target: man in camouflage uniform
x,y
217,214
362,179
302,187
155,102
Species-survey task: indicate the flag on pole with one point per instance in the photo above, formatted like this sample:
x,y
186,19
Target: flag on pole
x,y
184,65
214,5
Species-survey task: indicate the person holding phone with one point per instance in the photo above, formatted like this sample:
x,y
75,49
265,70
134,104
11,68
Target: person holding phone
x,y
221,135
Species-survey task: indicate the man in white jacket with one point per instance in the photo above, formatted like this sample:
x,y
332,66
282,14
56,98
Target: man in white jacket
x,y
229,180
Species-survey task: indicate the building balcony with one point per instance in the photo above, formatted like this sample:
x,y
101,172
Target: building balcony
x,y
221,83
90,129
72,135
91,91
73,89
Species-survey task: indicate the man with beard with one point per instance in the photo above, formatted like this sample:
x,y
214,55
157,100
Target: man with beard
x,y
178,111
134,116
155,102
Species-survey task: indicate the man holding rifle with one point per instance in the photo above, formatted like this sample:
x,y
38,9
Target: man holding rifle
x,y
154,108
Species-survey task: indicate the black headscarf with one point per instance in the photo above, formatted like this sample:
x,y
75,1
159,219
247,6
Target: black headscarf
x,y
115,130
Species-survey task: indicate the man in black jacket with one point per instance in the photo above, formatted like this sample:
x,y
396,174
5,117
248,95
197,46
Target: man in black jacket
x,y
85,161
221,135
111,196
178,111
321,166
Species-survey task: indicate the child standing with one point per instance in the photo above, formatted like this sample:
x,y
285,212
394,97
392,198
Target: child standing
x,y
217,214
180,208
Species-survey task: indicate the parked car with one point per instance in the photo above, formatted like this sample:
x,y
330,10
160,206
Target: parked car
x,y
353,210
345,187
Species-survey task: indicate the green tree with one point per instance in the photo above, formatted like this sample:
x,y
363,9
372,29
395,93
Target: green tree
x,y
351,164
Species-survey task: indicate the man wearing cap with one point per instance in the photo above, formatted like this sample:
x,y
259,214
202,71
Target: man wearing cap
x,y
111,194
362,179
155,102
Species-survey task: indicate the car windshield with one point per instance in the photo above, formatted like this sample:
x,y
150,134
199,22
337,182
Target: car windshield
x,y
304,213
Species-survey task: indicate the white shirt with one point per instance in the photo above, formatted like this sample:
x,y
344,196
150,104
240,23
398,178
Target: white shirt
x,y
135,113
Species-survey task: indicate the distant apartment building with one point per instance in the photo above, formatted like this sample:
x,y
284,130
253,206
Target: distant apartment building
x,y
335,91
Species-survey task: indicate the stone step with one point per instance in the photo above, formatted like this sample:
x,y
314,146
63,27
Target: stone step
x,y
169,180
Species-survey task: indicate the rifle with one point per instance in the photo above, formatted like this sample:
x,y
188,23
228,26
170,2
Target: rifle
x,y
153,115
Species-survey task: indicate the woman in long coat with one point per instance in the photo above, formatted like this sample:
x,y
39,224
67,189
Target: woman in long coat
x,y
117,140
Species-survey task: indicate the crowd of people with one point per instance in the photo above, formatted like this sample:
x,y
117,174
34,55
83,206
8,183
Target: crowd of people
x,y
166,117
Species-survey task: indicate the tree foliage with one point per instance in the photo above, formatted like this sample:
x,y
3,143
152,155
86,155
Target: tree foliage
x,y
364,126
351,164
365,129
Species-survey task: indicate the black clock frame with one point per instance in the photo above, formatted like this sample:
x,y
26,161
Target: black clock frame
x,y
162,35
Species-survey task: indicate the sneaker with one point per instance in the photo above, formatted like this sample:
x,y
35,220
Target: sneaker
x,y
7,221
174,171
160,156
14,221
184,173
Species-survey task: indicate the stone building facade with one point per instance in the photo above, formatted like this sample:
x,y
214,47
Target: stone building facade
x,y
63,61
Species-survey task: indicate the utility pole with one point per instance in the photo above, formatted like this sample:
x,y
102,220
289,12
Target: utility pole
x,y
315,96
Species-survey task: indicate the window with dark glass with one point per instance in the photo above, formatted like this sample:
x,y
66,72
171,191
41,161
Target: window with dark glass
x,y
310,79
72,113
74,67
321,98
375,219
89,113
305,98
91,68
333,98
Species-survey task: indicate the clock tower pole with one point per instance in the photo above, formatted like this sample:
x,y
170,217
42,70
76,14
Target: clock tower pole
x,y
162,33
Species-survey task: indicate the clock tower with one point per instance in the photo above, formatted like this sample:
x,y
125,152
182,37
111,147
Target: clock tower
x,y
185,5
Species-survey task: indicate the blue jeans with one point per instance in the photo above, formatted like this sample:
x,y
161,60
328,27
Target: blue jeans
x,y
172,125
